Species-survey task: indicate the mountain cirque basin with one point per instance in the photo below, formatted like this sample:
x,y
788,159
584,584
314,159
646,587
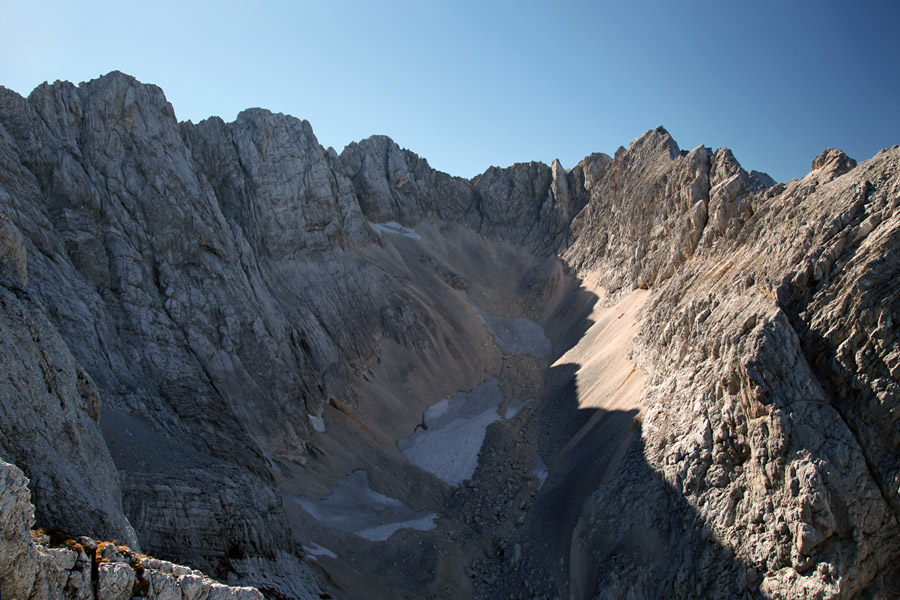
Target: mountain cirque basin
x,y
348,375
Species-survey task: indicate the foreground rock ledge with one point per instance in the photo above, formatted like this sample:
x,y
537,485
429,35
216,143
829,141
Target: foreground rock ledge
x,y
29,570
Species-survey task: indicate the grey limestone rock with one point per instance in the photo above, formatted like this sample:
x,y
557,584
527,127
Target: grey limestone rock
x,y
12,252
115,581
49,422
763,409
529,204
652,205
390,183
834,161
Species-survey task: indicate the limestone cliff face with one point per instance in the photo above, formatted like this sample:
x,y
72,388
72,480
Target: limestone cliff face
x,y
652,205
50,412
528,204
772,355
202,290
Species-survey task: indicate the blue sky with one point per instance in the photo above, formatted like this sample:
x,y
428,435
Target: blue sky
x,y
468,85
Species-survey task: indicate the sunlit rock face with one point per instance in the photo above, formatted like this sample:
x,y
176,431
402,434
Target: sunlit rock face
x,y
654,374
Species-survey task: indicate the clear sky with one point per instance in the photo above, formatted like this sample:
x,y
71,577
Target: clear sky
x,y
473,84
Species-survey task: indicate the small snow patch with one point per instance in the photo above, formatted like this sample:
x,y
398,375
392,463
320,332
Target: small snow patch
x,y
515,407
380,533
395,228
354,507
315,550
539,470
317,423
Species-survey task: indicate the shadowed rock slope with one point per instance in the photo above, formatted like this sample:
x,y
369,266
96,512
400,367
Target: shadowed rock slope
x,y
200,324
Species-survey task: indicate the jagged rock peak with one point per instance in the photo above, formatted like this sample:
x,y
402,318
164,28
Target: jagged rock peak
x,y
650,207
833,160
653,141
260,116
384,146
389,181
116,96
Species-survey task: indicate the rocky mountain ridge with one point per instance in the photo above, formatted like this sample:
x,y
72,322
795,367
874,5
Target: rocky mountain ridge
x,y
218,290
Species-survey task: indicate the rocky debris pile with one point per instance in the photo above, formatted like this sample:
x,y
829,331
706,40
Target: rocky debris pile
x,y
353,506
34,567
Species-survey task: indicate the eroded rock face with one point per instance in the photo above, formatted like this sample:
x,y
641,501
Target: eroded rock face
x,y
652,205
50,412
219,287
527,204
194,272
770,356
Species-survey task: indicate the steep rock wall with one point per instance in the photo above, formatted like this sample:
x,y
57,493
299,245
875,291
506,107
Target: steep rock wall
x,y
205,276
50,412
769,408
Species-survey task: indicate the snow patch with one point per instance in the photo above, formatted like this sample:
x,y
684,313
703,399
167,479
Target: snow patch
x,y
315,550
395,228
454,431
515,407
380,533
515,335
317,423
354,507
539,470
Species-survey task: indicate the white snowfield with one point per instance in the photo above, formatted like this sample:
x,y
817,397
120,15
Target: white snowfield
x,y
515,335
448,445
456,428
353,506
395,228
